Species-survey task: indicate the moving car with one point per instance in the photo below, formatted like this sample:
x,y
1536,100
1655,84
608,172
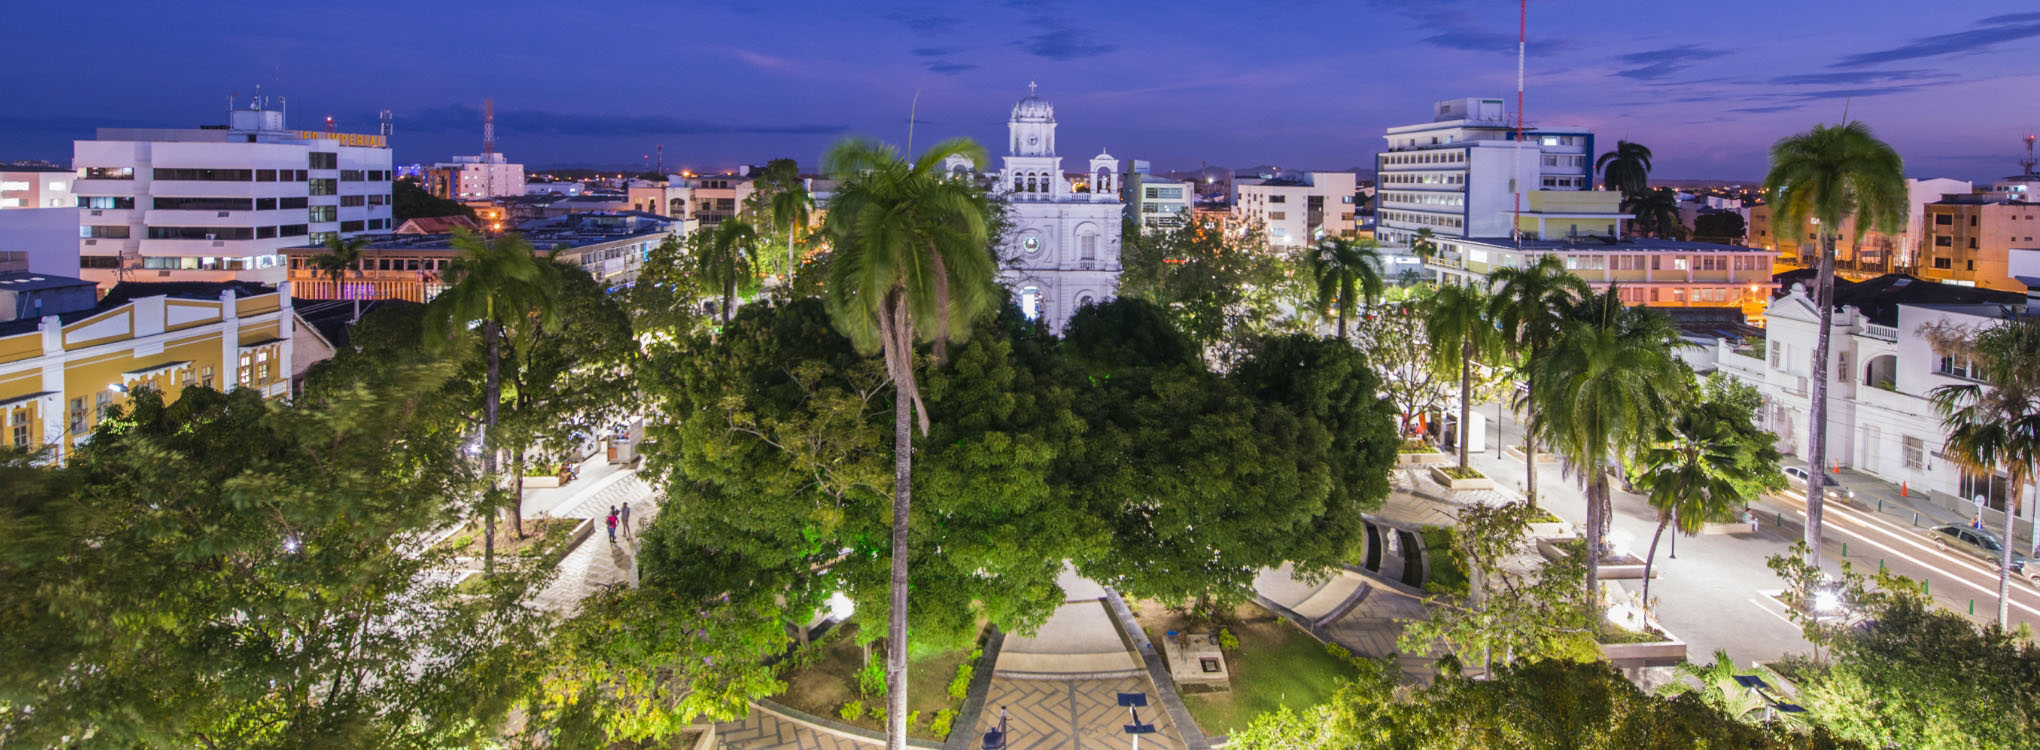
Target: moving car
x,y
1982,545
1834,491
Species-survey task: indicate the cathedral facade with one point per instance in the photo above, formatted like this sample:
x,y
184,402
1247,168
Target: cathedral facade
x,y
1061,249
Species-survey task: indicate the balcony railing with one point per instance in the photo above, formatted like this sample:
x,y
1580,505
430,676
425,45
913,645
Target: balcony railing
x,y
1887,333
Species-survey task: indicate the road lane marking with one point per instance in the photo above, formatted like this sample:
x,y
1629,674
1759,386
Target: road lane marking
x,y
1990,592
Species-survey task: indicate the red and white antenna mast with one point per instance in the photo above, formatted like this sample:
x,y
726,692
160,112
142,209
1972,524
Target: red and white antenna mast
x,y
2029,162
488,126
1522,35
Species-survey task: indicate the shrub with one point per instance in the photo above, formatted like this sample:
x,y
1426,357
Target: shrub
x,y
1338,652
1227,641
940,725
913,717
851,710
878,711
871,679
959,687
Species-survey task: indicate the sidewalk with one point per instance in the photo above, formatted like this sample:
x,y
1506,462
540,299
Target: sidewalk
x,y
597,562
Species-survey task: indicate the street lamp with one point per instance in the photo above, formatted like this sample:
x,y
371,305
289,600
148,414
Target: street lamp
x,y
995,738
1133,702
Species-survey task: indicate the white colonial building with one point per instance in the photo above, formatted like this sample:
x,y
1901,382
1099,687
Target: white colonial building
x,y
1062,250
1883,369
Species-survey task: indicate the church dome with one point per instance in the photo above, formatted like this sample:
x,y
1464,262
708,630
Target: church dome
x,y
1033,108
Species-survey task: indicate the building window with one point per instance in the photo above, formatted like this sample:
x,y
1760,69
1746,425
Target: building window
x,y
21,430
205,376
324,160
1955,368
1915,453
1777,351
78,415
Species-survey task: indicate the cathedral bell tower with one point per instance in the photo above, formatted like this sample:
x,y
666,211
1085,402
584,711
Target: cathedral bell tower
x,y
1032,130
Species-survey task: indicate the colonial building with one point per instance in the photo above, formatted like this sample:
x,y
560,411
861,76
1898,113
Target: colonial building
x,y
1062,251
611,246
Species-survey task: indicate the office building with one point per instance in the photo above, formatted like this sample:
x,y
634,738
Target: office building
x,y
40,240
66,356
1457,175
35,186
1298,209
1154,202
1969,240
611,246
1875,254
218,204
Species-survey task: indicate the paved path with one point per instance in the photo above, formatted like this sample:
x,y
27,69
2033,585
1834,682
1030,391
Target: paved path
x,y
764,731
598,562
1074,714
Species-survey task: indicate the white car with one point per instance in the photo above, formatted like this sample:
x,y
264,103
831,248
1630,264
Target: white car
x,y
1834,492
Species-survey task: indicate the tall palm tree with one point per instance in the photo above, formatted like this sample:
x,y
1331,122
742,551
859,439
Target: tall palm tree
x,y
1657,213
1996,423
341,256
1527,306
1689,476
1600,392
728,260
1832,174
1626,169
912,263
1424,245
493,283
1461,331
791,208
1345,270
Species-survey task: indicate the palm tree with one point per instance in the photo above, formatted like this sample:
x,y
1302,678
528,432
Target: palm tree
x,y
1424,245
1657,213
728,260
1461,331
1527,307
1339,266
1831,174
340,256
1689,476
1718,688
1600,391
790,209
1626,169
912,263
492,284
1996,423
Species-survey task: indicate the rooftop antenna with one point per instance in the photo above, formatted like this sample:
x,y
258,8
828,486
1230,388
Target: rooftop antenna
x,y
2029,162
488,126
915,106
230,103
1522,35
256,102
661,149
384,128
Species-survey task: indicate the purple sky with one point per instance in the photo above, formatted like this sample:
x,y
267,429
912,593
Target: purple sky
x,y
1708,86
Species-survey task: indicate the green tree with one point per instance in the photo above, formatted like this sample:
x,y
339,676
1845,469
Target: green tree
x,y
1720,226
1657,214
1689,475
1604,386
341,256
409,200
1512,612
492,284
727,259
1462,334
791,210
910,264
1208,281
1626,169
568,382
661,301
1714,684
1996,423
1832,174
221,571
1424,245
1528,305
1346,271
1393,339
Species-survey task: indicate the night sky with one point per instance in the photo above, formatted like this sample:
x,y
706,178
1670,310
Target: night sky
x,y
1706,85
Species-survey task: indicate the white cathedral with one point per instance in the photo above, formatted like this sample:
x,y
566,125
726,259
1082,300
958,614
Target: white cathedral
x,y
1062,248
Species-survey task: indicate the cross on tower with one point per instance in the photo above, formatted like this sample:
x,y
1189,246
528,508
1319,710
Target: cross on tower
x,y
1030,88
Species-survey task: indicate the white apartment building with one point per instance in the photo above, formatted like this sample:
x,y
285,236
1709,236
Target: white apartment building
x,y
476,177
1156,202
220,204
1456,175
1883,369
23,186
1298,210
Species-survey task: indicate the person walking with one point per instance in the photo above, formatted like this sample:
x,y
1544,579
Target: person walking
x,y
612,524
624,518
1751,517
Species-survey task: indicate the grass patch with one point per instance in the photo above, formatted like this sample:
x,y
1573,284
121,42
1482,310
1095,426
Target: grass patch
x,y
1447,570
1275,665
540,536
1545,516
1608,632
1457,472
824,683
1415,445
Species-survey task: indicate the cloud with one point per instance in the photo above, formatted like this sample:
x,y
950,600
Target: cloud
x,y
920,20
763,61
1768,110
1858,77
1985,33
542,122
1457,30
933,51
1650,65
948,67
1059,40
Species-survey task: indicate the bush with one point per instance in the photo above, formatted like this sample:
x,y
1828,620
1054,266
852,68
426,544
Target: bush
x,y
1459,473
940,725
877,711
851,710
959,686
1227,641
1338,652
1448,573
871,679
913,717
1415,445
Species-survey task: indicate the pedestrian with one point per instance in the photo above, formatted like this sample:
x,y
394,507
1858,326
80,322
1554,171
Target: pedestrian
x,y
612,524
1751,517
624,517
1976,521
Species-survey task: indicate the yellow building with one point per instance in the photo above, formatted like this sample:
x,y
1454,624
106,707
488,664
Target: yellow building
x,y
61,369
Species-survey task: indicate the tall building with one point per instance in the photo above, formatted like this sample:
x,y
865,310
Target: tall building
x,y
1876,253
1456,175
35,186
479,177
1154,202
1969,239
1062,251
1298,210
220,203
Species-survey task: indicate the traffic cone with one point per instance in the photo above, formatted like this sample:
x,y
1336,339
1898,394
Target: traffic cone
x,y
1838,467
1902,490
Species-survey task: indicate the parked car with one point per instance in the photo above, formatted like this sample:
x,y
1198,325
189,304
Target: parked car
x,y
1982,545
1834,491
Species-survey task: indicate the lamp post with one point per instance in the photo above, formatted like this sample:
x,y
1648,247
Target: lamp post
x,y
995,738
1133,702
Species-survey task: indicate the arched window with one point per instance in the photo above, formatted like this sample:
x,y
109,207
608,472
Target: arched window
x,y
1030,302
1103,183
1018,183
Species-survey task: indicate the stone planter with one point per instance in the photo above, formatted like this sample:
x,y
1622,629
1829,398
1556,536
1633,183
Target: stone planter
x,y
1663,653
550,480
1474,483
1549,529
1421,459
1543,456
1623,568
